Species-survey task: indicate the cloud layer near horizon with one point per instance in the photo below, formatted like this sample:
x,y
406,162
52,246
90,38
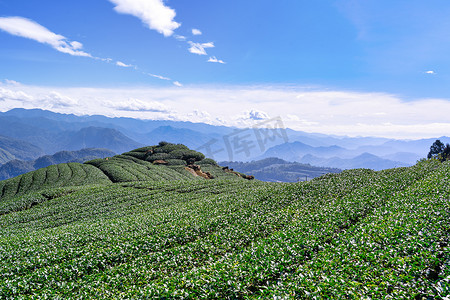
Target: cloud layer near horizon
x,y
305,109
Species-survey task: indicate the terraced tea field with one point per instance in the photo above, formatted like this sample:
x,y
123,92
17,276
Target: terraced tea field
x,y
136,234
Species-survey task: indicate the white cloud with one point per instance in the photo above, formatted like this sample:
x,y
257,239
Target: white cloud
x,y
200,114
124,65
198,48
258,115
7,94
57,100
214,59
430,72
153,13
138,105
11,82
31,30
177,84
158,76
195,116
196,31
254,115
180,37
76,45
208,45
248,118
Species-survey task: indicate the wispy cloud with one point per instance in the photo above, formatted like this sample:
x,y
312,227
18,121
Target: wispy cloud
x,y
26,28
196,31
158,76
177,84
152,13
430,72
29,29
124,65
199,48
11,82
180,37
214,59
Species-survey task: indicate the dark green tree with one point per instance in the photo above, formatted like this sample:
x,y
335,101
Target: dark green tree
x,y
436,149
446,153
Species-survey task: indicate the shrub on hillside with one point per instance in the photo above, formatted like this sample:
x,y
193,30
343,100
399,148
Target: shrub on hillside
x,y
177,154
208,161
136,154
95,162
175,162
143,149
192,156
167,148
158,156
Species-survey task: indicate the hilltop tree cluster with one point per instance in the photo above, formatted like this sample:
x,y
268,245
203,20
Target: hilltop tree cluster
x,y
172,154
439,151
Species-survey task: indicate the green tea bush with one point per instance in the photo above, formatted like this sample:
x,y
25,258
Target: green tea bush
x,y
208,161
176,162
137,154
158,156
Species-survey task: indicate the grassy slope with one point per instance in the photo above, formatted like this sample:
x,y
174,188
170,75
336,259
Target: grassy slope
x,y
120,168
68,174
358,233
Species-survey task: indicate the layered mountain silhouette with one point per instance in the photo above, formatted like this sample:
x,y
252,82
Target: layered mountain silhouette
x,y
17,167
273,169
11,148
28,134
365,160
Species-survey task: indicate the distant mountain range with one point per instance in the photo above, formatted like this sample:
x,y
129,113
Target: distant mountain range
x,y
390,154
11,148
28,134
277,170
365,160
16,167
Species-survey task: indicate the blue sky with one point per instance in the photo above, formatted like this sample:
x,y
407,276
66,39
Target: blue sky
x,y
369,50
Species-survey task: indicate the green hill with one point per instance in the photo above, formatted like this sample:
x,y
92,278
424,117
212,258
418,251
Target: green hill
x,y
143,164
127,234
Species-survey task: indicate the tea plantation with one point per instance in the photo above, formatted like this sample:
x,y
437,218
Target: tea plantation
x,y
130,228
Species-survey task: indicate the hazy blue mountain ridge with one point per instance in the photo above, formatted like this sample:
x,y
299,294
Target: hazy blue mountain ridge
x,y
53,132
277,170
11,148
365,160
16,167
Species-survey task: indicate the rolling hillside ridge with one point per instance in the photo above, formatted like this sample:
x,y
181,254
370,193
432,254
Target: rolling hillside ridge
x,y
166,222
